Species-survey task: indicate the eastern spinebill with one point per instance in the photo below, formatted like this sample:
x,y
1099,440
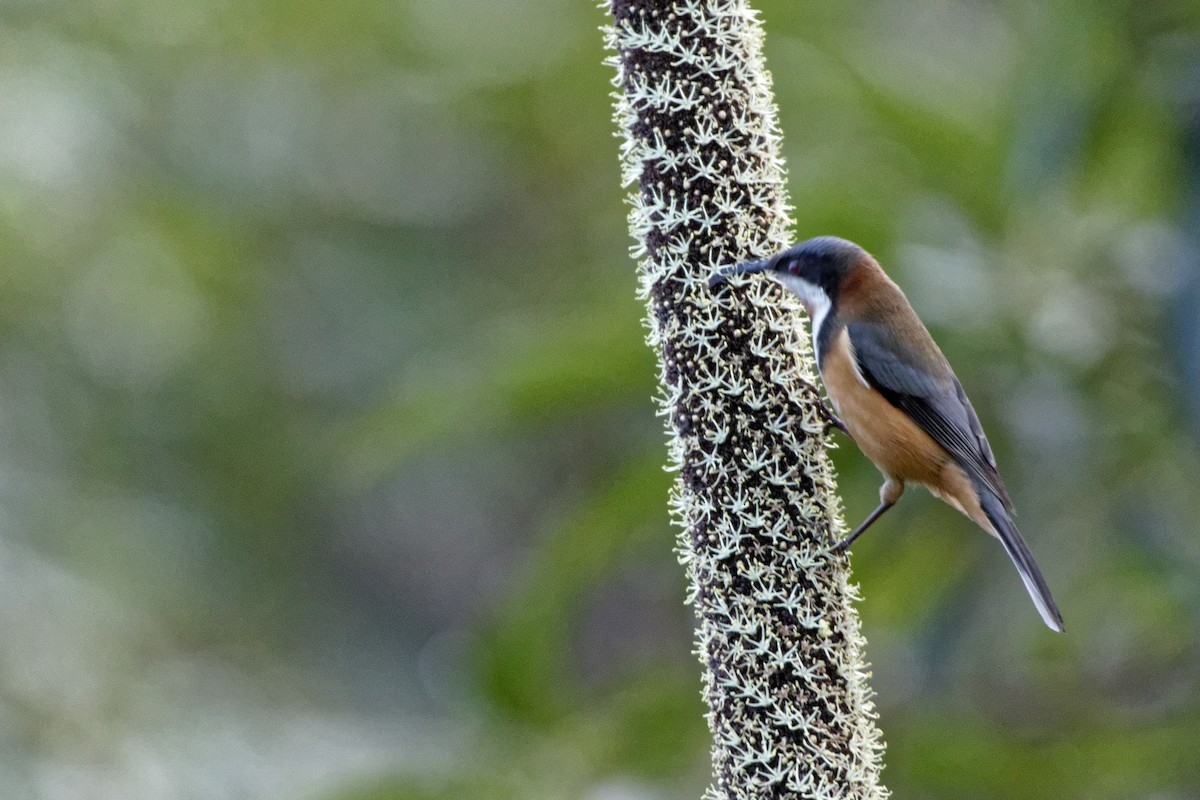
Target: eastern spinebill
x,y
896,394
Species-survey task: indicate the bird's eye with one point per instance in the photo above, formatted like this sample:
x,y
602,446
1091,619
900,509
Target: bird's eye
x,y
793,266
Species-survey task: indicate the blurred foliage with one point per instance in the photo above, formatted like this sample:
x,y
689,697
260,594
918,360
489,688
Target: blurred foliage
x,y
328,466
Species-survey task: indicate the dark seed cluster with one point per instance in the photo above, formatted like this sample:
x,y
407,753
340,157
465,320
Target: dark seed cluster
x,y
789,704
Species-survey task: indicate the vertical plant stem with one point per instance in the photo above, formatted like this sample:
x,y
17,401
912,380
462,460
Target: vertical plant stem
x,y
784,677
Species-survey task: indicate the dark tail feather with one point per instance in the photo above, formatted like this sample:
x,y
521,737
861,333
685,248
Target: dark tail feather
x,y
1018,551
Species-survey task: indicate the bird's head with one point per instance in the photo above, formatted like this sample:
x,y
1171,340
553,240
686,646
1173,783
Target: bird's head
x,y
814,270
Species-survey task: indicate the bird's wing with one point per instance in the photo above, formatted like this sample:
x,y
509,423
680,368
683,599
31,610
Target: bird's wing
x,y
930,395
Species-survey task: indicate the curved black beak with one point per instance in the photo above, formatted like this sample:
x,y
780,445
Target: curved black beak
x,y
745,268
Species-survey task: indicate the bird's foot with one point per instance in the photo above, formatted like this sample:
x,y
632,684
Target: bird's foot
x,y
831,419
844,545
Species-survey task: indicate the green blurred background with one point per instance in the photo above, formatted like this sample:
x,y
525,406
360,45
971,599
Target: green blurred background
x,y
328,465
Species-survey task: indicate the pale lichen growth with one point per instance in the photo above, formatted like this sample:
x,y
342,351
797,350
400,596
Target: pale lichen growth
x,y
789,705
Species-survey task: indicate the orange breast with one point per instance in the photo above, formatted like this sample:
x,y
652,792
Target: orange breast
x,y
896,444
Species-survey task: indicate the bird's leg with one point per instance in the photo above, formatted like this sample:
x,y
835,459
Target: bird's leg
x,y
889,493
831,419
842,546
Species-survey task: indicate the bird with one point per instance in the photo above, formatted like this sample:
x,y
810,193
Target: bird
x,y
896,394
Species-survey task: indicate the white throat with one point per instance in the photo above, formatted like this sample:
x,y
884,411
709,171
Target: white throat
x,y
815,301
